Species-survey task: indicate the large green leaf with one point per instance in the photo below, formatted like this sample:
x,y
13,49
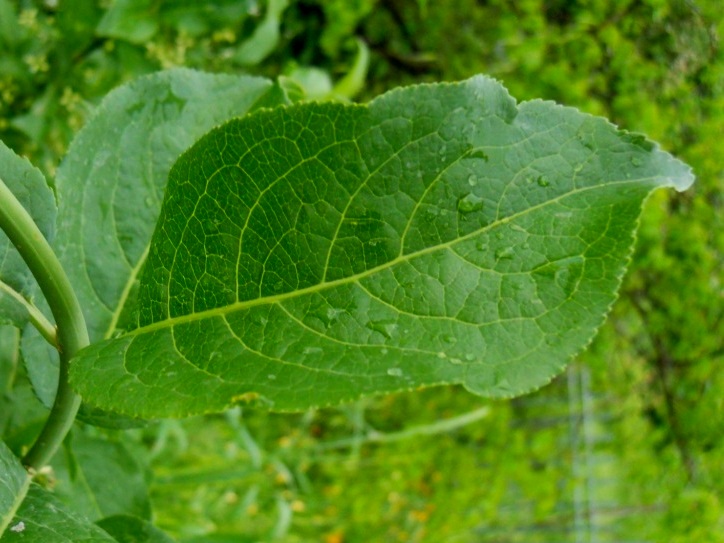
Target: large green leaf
x,y
312,254
30,188
14,484
43,519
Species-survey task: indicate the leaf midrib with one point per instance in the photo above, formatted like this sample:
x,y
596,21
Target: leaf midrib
x,y
248,304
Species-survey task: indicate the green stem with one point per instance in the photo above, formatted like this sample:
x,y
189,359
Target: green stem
x,y
43,325
438,427
72,332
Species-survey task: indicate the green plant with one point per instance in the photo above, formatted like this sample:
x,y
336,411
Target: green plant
x,y
296,256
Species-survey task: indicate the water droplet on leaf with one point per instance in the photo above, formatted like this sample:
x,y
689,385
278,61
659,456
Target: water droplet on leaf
x,y
478,153
469,203
553,340
385,327
395,372
506,253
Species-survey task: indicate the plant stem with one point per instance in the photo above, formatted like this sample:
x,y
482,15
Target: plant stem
x,y
438,427
42,324
72,332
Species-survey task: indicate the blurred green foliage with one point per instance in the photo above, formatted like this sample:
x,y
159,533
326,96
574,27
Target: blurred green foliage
x,y
627,445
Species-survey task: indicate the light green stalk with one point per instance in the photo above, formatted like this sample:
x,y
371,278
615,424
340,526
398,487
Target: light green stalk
x,y
72,334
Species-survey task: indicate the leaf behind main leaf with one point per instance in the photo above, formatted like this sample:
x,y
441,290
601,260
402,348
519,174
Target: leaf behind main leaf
x,y
14,485
29,186
110,187
312,254
111,183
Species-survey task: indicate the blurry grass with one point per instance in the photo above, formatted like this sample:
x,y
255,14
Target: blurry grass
x,y
520,471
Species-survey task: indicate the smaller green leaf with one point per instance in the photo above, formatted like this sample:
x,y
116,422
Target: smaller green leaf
x,y
84,470
9,351
265,37
29,186
43,519
127,529
14,483
131,20
108,205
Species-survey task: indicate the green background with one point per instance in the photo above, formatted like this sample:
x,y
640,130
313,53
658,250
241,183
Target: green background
x,y
627,445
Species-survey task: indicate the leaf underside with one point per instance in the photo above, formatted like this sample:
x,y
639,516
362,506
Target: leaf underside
x,y
43,519
14,484
28,185
311,254
110,187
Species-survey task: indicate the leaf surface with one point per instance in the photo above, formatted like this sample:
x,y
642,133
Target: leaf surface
x,y
312,254
128,529
86,467
14,484
43,519
110,187
29,186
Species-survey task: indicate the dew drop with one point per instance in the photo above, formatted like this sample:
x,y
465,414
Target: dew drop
x,y
441,355
333,313
518,228
478,153
148,201
502,386
506,253
385,327
395,372
311,350
433,211
469,203
472,180
470,357
481,246
271,377
553,340
636,161
449,338
542,181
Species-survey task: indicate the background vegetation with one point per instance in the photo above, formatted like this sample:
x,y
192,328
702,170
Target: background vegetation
x,y
627,445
